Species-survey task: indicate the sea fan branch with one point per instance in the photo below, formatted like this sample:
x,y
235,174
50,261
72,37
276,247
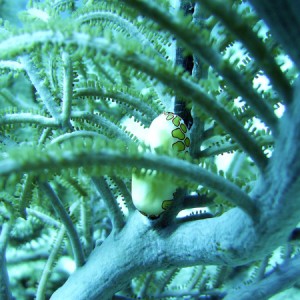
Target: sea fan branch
x,y
283,19
30,118
113,209
189,36
66,220
5,292
67,90
104,156
75,134
110,128
124,192
283,277
26,195
257,48
11,65
41,290
122,22
43,217
158,69
133,102
37,82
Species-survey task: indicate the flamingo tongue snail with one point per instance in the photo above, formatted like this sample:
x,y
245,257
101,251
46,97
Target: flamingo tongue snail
x,y
152,194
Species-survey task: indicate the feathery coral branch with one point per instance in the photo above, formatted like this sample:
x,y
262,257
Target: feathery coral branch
x,y
188,35
66,220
